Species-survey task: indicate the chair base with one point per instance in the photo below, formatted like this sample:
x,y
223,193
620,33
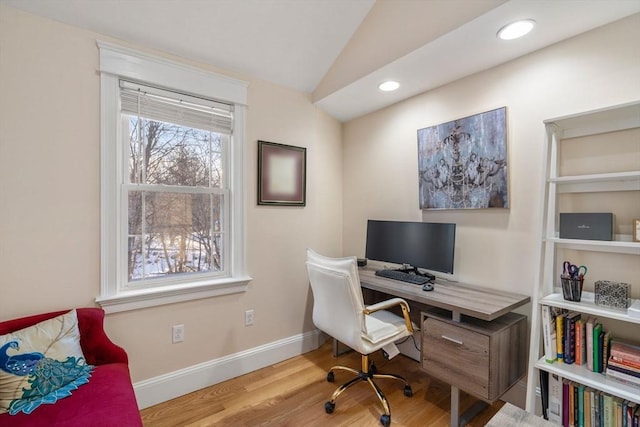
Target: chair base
x,y
368,374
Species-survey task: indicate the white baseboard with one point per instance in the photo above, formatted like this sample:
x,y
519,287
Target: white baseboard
x,y
174,384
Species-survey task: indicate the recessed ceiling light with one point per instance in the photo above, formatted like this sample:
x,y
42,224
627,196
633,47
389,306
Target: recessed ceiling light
x,y
388,86
516,29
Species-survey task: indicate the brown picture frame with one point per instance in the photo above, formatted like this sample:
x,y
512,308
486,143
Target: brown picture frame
x,y
282,174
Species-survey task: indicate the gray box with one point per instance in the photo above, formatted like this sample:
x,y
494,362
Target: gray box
x,y
586,226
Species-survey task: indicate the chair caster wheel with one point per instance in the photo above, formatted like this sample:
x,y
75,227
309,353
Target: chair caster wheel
x,y
372,369
330,377
385,420
329,407
407,391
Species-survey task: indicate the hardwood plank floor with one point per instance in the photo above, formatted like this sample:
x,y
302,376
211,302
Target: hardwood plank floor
x,y
293,393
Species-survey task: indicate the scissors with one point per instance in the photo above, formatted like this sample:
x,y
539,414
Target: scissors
x,y
573,271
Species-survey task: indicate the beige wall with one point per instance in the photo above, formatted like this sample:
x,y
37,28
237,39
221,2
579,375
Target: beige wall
x,y
50,204
496,248
50,183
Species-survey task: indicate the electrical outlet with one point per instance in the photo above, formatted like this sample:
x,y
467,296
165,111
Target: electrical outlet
x,y
178,334
248,318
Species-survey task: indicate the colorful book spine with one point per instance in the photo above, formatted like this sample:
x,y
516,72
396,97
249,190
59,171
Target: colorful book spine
x,y
591,321
570,339
597,330
582,342
600,348
580,406
621,367
605,350
624,351
554,413
587,406
622,377
560,336
607,415
549,335
565,403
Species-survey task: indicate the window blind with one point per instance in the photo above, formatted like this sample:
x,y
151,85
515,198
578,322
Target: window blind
x,y
173,107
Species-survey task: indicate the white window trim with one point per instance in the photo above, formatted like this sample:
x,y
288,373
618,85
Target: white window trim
x,y
118,62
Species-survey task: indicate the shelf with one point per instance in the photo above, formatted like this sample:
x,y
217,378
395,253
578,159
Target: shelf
x,y
619,187
619,181
582,375
587,305
599,121
615,246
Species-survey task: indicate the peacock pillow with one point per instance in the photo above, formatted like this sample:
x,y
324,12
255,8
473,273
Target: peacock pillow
x,y
41,364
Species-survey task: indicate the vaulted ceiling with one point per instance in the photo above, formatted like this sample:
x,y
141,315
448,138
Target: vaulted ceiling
x,y
338,50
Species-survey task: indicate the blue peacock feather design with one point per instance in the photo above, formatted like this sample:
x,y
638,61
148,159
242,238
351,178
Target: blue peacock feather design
x,y
50,379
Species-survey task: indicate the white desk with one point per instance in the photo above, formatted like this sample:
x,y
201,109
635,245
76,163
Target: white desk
x,y
475,324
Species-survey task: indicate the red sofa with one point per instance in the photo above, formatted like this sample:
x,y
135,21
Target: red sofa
x,y
106,400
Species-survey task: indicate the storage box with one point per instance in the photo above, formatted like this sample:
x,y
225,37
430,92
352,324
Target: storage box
x,y
586,226
612,294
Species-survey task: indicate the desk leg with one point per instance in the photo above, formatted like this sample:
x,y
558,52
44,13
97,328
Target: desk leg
x,y
455,406
460,420
339,348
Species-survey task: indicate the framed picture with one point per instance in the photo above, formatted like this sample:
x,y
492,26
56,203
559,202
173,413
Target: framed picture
x,y
636,230
282,174
462,164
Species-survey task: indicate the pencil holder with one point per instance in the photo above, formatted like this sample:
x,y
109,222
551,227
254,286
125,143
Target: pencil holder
x,y
571,288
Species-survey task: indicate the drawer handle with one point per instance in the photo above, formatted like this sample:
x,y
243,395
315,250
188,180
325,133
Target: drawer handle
x,y
452,340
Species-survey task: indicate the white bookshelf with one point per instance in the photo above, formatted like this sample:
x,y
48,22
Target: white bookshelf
x,y
601,125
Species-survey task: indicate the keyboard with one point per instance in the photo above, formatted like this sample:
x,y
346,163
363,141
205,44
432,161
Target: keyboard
x,y
402,276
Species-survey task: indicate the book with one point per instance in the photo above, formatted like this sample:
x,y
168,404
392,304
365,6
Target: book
x,y
554,412
605,350
591,321
594,403
580,406
617,411
565,403
622,377
573,410
581,342
587,406
598,409
549,335
570,337
607,411
560,336
597,330
600,348
625,351
621,367
544,392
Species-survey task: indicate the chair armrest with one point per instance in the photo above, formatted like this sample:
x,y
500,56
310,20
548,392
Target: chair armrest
x,y
97,347
383,305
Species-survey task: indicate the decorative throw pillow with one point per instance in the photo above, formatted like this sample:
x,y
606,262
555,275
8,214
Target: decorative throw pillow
x,y
41,364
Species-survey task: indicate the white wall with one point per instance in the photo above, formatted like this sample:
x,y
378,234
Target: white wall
x,y
50,204
496,248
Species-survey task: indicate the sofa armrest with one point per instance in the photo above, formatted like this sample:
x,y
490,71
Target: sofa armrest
x,y
98,349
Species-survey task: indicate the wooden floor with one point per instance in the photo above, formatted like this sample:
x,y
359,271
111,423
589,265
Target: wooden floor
x,y
293,393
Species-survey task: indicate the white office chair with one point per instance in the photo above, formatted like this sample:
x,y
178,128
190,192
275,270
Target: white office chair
x,y
339,311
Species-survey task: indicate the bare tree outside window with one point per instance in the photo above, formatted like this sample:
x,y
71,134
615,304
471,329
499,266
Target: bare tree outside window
x,y
174,215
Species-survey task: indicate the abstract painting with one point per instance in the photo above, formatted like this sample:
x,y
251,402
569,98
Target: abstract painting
x,y
462,164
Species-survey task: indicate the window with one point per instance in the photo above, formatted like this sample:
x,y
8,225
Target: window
x,y
172,211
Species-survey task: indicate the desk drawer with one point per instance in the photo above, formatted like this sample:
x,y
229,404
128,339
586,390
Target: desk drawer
x,y
456,355
482,358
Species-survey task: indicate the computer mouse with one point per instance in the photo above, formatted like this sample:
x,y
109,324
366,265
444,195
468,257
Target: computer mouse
x,y
427,287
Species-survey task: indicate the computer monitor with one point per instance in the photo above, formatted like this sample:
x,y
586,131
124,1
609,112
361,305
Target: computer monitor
x,y
425,245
